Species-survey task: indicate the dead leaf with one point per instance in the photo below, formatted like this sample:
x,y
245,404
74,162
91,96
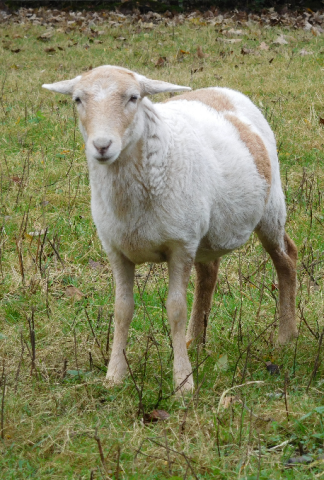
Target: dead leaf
x,y
247,51
304,52
37,233
271,60
49,50
16,36
16,50
73,292
303,459
227,400
264,46
45,37
161,62
273,368
16,179
122,39
155,416
229,40
189,343
218,77
321,121
200,53
280,40
195,70
274,286
235,32
96,265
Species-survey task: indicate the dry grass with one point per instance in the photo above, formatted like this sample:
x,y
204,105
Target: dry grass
x,y
58,421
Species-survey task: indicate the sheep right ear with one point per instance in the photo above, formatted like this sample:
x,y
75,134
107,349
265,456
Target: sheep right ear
x,y
151,87
66,86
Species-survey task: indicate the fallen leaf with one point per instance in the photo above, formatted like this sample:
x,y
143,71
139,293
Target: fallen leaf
x,y
321,121
96,265
189,343
45,37
222,363
200,53
273,368
264,46
195,70
218,77
229,40
37,233
122,39
49,49
303,459
161,62
274,286
16,179
304,52
227,400
16,50
280,40
235,32
247,51
74,293
155,416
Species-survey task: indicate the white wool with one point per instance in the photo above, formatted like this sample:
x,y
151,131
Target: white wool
x,y
173,182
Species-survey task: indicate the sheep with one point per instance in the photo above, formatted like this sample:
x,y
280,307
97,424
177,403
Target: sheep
x,y
184,181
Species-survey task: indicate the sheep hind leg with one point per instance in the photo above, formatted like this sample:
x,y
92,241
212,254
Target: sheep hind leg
x,y
206,277
284,259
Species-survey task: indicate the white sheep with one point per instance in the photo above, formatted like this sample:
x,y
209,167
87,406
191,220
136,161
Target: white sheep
x,y
183,182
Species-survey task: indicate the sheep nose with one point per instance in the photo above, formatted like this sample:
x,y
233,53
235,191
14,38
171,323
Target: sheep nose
x,y
102,145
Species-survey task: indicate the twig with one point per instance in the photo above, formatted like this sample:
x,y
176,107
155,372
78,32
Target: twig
x,y
223,395
118,459
316,363
140,404
285,393
102,457
3,382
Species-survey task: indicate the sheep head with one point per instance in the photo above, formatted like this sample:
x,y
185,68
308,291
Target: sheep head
x,y
108,100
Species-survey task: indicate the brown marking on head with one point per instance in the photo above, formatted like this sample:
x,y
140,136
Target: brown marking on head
x,y
255,145
210,97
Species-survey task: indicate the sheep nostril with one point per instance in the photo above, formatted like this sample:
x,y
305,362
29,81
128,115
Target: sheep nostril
x,y
101,146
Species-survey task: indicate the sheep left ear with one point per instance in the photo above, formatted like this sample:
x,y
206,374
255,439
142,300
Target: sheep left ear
x,y
151,87
65,87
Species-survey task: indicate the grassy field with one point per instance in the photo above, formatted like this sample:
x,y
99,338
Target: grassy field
x,y
246,418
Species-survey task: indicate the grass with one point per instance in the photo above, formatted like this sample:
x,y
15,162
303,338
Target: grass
x,y
57,419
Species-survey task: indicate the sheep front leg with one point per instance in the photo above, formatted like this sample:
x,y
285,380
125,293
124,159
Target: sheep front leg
x,y
179,273
123,271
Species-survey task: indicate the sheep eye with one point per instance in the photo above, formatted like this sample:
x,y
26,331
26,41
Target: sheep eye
x,y
133,98
77,100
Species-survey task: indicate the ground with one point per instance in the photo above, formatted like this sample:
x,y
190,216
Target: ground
x,y
256,406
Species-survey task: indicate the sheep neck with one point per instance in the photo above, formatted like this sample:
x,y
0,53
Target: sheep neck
x,y
140,176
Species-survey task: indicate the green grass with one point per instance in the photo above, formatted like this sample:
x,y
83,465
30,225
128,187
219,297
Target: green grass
x,y
51,412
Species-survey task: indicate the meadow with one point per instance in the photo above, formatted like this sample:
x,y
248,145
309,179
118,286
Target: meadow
x,y
257,411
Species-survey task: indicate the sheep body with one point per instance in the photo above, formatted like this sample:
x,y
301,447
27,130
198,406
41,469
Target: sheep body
x,y
185,181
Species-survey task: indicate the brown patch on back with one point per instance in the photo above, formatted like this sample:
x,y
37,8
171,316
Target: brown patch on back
x,y
212,98
255,145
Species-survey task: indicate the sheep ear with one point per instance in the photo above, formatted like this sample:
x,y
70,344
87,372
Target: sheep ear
x,y
150,87
65,87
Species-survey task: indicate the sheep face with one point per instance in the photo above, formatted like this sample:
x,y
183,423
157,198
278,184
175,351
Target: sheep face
x,y
109,100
